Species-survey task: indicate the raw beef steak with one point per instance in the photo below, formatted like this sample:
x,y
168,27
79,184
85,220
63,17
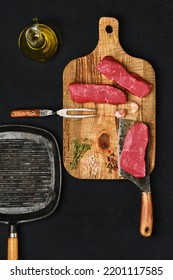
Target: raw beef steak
x,y
114,71
84,93
132,159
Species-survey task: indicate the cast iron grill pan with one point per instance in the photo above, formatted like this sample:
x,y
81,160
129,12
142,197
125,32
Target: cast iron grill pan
x,y
30,176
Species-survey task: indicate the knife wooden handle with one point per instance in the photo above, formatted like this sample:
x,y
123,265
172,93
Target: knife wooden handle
x,y
25,113
146,223
13,248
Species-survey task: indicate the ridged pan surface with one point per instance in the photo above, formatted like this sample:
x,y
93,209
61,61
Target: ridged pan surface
x,y
28,165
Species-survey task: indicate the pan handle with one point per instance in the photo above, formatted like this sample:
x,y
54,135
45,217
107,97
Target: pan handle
x,y
13,243
146,222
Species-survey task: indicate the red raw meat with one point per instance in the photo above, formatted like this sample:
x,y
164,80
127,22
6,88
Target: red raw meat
x,y
84,93
132,159
114,71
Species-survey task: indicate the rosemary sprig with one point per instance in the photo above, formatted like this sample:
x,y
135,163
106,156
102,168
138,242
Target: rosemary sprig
x,y
78,152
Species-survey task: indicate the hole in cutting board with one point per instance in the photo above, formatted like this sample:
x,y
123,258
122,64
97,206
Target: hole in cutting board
x,y
109,29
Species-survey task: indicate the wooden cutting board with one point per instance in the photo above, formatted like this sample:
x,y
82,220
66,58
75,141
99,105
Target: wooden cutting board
x,y
101,132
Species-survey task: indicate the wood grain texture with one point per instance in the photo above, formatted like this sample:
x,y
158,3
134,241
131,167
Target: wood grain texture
x,y
25,113
93,165
13,248
146,220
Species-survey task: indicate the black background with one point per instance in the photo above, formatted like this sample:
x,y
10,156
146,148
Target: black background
x,y
96,219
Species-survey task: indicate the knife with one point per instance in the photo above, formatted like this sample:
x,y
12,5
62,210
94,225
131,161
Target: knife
x,y
146,218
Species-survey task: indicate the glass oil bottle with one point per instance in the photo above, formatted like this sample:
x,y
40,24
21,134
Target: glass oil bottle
x,y
38,42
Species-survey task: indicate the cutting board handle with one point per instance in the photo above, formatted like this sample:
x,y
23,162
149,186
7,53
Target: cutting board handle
x,y
146,223
12,253
108,32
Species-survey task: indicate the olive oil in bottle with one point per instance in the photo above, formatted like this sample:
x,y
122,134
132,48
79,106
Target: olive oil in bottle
x,y
38,41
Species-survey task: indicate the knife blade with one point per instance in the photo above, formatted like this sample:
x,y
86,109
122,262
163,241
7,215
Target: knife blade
x,y
146,218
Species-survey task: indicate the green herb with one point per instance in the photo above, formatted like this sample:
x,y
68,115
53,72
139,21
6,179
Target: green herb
x,y
78,152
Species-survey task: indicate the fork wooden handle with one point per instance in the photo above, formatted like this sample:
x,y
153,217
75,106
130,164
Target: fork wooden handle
x,y
25,113
146,223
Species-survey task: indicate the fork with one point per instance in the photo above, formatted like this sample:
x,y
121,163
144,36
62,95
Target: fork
x,y
65,113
